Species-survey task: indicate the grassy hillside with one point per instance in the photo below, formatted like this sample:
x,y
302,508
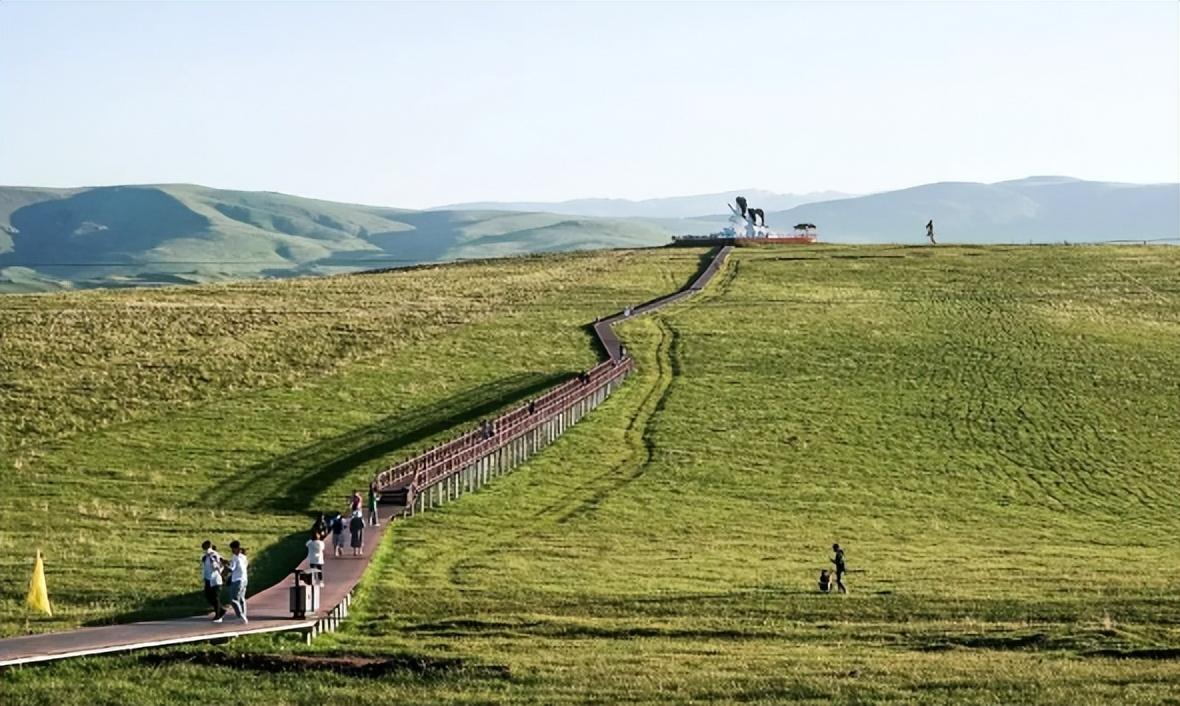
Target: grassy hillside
x,y
136,422
988,431
168,234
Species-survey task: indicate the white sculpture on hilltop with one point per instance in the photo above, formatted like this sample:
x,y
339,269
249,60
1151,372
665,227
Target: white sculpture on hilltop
x,y
744,222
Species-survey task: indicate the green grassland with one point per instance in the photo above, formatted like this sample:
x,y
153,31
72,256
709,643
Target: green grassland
x,y
184,233
137,422
989,431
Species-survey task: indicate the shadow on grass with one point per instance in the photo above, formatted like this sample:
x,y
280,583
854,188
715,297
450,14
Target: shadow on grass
x,y
267,567
559,630
407,664
291,483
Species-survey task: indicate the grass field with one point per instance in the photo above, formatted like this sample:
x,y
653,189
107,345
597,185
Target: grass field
x,y
137,422
989,431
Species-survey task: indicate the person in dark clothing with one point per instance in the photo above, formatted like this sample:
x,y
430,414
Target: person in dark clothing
x,y
338,539
320,528
930,231
532,406
838,560
356,527
825,581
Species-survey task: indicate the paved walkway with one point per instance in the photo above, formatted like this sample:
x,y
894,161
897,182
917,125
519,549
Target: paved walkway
x,y
268,610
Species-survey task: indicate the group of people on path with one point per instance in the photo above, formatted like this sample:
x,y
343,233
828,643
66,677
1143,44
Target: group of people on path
x,y
352,520
218,571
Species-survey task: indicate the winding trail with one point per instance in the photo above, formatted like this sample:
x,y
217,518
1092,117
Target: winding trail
x,y
269,610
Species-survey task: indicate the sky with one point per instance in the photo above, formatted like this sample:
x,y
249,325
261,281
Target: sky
x,y
415,105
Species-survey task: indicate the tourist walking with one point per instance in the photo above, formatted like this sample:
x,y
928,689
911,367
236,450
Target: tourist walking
x,y
354,502
320,528
238,578
211,567
357,527
838,560
374,498
338,535
930,231
315,557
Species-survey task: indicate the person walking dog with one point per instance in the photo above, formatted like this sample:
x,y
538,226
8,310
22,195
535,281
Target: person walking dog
x,y
838,560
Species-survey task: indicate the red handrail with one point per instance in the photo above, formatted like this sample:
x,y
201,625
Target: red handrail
x,y
442,461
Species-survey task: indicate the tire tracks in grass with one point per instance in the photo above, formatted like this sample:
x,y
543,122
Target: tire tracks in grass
x,y
640,430
588,496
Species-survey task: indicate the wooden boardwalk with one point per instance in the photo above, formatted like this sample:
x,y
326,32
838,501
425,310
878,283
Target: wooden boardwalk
x,y
267,612
441,474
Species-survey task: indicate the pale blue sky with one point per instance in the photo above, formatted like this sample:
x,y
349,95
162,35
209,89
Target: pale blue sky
x,y
421,104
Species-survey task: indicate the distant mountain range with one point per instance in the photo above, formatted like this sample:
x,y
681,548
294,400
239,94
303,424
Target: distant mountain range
x,y
1036,209
181,233
701,205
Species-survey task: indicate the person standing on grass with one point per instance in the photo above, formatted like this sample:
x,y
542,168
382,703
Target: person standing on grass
x,y
315,556
838,560
238,578
354,502
338,534
374,498
356,527
211,565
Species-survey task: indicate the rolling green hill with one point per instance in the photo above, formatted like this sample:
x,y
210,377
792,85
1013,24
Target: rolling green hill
x,y
166,234
988,430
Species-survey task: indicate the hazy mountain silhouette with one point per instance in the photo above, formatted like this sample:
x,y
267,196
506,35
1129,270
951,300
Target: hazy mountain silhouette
x,y
700,205
177,233
1036,209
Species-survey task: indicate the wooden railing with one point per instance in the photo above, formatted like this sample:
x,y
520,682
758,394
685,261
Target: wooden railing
x,y
496,446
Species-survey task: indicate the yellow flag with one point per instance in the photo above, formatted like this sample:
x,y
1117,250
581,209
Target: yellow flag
x,y
38,592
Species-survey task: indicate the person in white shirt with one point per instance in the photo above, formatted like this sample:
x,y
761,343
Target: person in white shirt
x,y
315,556
211,565
238,578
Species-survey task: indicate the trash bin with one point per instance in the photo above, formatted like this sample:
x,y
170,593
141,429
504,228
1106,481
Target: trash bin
x,y
305,594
